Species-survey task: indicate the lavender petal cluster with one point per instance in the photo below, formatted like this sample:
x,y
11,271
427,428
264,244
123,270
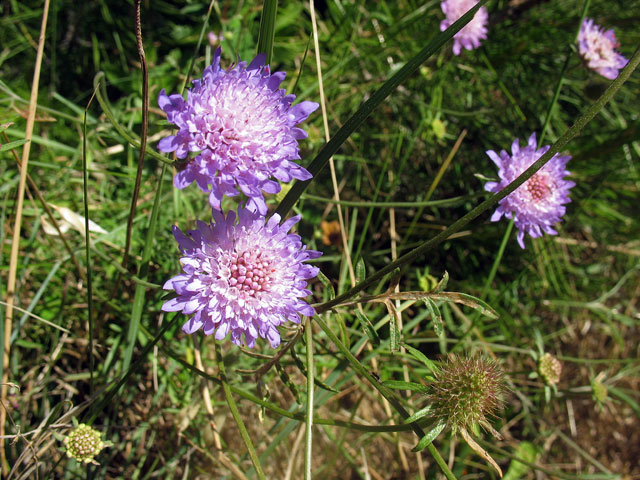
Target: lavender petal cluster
x,y
538,204
238,129
242,275
472,33
597,48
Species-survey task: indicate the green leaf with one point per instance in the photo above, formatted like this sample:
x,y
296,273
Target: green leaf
x,y
394,331
368,328
429,437
423,412
361,271
470,301
418,355
326,283
402,385
12,145
436,316
442,284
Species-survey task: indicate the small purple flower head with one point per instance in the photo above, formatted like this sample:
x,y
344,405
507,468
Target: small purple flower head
x,y
597,49
241,128
537,204
242,275
474,31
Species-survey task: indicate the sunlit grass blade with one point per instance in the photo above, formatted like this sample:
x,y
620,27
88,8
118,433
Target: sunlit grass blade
x,y
267,32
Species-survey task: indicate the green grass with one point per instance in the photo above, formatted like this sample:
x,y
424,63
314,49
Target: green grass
x,y
574,295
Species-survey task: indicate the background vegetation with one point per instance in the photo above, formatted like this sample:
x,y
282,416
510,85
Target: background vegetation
x,y
574,295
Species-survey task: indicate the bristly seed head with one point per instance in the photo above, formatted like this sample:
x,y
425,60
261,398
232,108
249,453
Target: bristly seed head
x,y
466,391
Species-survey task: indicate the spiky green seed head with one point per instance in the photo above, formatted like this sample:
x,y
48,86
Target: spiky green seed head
x,y
549,369
84,443
467,390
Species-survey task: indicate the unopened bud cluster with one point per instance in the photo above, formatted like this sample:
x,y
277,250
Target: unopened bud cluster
x,y
84,443
466,391
549,369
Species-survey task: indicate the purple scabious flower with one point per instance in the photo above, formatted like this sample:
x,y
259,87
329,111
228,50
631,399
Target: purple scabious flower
x,y
597,49
242,130
537,204
242,275
473,32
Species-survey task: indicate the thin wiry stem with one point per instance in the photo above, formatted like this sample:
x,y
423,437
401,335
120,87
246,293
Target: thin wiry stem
x,y
309,417
237,417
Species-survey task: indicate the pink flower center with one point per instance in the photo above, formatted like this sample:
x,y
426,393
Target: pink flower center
x,y
250,272
538,187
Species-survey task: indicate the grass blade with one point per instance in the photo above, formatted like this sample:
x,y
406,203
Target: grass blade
x,y
267,29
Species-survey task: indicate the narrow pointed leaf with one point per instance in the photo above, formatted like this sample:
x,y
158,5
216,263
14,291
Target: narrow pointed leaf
x,y
421,357
14,144
442,284
423,412
436,316
402,385
361,271
469,301
368,328
429,437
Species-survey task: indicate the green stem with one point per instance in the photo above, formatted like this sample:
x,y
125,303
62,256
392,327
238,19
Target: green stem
x,y
237,417
85,193
493,200
385,392
309,417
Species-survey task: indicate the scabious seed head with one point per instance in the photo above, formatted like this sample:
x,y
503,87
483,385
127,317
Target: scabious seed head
x,y
240,128
537,204
84,443
242,276
549,369
467,390
472,33
597,49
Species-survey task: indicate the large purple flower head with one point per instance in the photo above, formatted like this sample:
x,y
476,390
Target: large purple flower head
x,y
597,49
240,129
470,35
537,204
242,275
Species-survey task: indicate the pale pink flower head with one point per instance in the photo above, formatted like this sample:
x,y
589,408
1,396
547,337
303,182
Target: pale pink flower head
x,y
243,275
473,32
539,203
597,49
238,131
